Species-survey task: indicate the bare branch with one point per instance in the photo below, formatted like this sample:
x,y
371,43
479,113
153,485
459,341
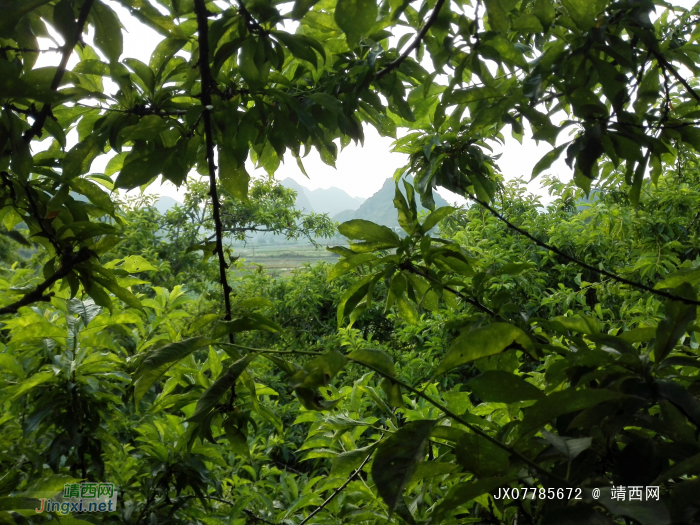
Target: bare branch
x,y
35,130
337,491
416,41
207,87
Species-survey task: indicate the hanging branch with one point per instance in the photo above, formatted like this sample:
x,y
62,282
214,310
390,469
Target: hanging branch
x,y
37,126
38,294
541,471
205,72
668,67
574,260
337,491
416,41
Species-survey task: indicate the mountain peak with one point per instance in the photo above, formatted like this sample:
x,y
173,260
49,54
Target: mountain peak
x,y
331,201
379,208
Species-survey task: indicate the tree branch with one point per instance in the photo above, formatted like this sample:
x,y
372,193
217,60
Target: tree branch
x,y
205,72
574,260
37,126
337,491
466,298
31,50
665,64
416,41
38,293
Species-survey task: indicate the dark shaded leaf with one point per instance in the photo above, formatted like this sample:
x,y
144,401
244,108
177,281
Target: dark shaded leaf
x,y
397,458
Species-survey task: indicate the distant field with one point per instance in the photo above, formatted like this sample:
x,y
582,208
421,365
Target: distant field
x,y
280,259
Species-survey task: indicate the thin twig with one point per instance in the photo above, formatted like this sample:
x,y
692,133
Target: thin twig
x,y
337,491
574,260
35,130
416,41
31,49
203,37
38,293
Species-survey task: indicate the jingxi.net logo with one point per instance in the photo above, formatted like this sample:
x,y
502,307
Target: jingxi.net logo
x,y
81,497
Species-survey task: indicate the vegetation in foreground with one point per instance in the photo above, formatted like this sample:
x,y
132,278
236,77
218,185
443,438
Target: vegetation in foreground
x,y
500,346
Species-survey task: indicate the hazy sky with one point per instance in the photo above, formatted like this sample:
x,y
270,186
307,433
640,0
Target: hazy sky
x,y
361,171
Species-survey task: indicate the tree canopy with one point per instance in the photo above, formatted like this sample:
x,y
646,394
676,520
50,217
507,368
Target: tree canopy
x,y
503,345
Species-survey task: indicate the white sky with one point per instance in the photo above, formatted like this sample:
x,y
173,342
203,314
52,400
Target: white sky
x,y
361,171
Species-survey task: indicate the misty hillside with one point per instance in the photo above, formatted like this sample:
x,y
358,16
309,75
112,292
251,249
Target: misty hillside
x,y
331,201
379,207
302,202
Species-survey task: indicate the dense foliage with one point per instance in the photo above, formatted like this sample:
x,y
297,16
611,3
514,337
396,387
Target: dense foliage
x,y
504,345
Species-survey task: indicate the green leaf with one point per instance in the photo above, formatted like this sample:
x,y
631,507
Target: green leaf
x,y
301,47
219,388
246,323
497,15
345,265
253,64
136,264
158,361
469,95
140,170
13,11
678,316
347,462
465,492
27,384
686,275
356,18
377,359
122,293
480,456
147,128
430,469
233,176
580,323
396,460
689,467
301,7
562,402
545,12
546,162
584,12
78,160
360,229
498,386
163,52
507,50
681,398
93,192
108,34
488,340
528,24
435,217
319,371
236,439
353,296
